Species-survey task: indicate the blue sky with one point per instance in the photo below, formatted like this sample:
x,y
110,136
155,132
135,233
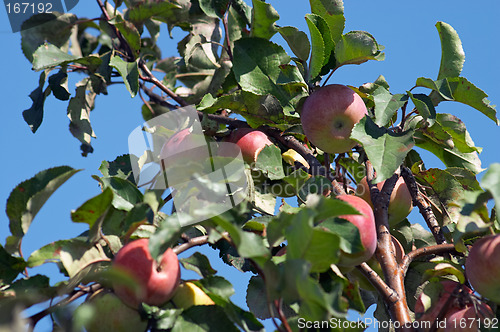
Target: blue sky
x,y
412,47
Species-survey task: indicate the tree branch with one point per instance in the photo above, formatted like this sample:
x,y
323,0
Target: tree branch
x,y
387,292
196,241
152,79
424,207
385,253
443,248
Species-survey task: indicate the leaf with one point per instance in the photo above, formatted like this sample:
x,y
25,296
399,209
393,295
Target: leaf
x,y
424,105
34,115
53,28
59,85
332,11
491,182
461,90
270,162
384,148
126,193
198,263
148,10
120,167
10,266
322,44
79,108
455,128
263,18
30,195
315,185
49,253
356,47
452,53
256,67
386,104
129,32
467,93
78,254
204,318
165,236
48,55
129,71
297,41
93,212
451,157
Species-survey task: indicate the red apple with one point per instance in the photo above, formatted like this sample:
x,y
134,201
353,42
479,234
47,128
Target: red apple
x,y
448,288
328,116
467,319
367,230
250,142
156,283
182,147
482,267
400,203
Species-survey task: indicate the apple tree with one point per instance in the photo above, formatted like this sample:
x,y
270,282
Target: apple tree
x,y
330,173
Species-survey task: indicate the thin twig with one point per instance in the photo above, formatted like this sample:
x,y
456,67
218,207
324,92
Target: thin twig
x,y
444,248
196,241
424,207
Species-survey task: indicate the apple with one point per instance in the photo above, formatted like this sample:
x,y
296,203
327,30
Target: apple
x,y
400,203
467,319
482,267
250,142
448,287
367,230
109,313
182,147
188,295
328,116
156,283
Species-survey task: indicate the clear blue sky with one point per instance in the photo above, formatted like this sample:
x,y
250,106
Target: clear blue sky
x,y
405,28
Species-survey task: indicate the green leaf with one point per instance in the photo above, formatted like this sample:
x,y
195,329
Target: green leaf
x,y
129,71
78,254
461,90
315,185
450,156
356,47
79,108
467,93
332,11
126,193
29,196
263,18
297,41
214,8
59,85
54,28
424,106
256,67
49,253
456,130
348,233
452,53
166,235
198,263
48,56
148,10
384,148
270,162
386,104
10,266
440,86
129,32
93,212
322,44
491,182
34,115
204,318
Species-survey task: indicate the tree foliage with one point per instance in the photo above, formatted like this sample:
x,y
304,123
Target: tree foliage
x,y
226,65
